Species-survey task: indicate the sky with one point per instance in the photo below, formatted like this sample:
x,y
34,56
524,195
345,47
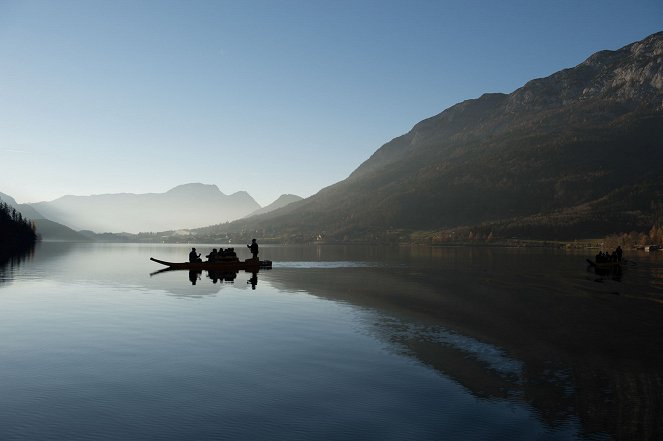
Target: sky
x,y
268,97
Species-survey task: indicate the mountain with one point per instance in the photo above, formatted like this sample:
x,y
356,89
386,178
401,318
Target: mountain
x,y
184,206
25,209
576,154
53,231
46,229
282,201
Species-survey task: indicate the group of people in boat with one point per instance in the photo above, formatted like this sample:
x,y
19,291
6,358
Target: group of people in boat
x,y
615,256
221,255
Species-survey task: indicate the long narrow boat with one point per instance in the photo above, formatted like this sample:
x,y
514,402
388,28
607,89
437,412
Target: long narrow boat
x,y
605,265
248,264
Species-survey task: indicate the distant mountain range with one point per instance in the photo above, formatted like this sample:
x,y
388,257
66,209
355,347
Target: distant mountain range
x,y
186,206
282,201
576,154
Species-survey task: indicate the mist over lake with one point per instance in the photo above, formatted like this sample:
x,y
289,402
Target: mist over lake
x,y
334,342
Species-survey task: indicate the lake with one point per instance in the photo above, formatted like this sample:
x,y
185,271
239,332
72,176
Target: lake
x,y
334,342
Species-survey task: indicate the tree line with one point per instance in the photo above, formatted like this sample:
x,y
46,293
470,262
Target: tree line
x,y
17,234
636,238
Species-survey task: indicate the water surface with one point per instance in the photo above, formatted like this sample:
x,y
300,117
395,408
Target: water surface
x,y
335,342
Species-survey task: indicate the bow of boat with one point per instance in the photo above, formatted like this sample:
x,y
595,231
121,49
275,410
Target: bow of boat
x,y
162,262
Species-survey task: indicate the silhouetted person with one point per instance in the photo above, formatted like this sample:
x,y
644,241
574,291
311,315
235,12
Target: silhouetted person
x,y
619,253
194,257
254,249
253,280
211,257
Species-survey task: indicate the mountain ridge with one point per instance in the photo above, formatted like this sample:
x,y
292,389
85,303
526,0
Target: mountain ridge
x,y
184,206
555,159
280,202
574,154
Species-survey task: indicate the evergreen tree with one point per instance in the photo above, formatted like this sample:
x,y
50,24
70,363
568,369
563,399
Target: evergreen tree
x,y
17,234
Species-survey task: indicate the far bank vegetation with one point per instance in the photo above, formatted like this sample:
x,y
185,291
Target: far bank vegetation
x,y
17,234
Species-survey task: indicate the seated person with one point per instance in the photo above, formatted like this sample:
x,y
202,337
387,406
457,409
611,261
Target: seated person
x,y
194,257
211,257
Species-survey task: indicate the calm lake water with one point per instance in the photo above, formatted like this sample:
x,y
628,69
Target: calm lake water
x,y
334,342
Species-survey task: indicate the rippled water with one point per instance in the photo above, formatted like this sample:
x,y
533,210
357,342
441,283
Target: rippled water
x,y
335,342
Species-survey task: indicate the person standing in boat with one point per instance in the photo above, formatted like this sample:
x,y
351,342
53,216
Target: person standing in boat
x,y
254,249
619,253
194,257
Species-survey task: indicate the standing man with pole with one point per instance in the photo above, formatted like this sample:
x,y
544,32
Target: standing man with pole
x,y
254,249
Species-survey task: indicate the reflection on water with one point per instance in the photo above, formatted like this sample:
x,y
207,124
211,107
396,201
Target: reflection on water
x,y
9,263
327,265
530,325
335,342
607,273
215,276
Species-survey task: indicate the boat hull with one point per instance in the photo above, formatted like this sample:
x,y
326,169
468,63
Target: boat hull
x,y
605,265
248,264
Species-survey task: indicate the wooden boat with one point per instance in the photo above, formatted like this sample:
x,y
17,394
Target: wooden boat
x,y
248,264
605,265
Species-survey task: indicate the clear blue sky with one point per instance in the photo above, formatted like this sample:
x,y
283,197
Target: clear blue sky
x,y
270,97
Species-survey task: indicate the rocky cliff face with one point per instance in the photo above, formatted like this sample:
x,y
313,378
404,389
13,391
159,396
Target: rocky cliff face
x,y
632,75
625,80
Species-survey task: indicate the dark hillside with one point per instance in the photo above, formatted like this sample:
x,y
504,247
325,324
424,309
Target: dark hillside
x,y
576,154
17,234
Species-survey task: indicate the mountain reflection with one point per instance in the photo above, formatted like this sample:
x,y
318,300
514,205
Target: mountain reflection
x,y
563,346
532,327
11,262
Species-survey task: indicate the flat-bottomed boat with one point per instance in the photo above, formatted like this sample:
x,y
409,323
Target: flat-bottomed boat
x,y
248,264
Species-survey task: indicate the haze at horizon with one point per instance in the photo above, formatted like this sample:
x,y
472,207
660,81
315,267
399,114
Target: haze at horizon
x,y
266,97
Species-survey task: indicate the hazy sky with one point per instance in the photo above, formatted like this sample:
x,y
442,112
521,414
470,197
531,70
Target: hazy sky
x,y
270,97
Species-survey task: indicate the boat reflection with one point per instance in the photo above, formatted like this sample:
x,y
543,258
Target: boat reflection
x,y
216,276
613,273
